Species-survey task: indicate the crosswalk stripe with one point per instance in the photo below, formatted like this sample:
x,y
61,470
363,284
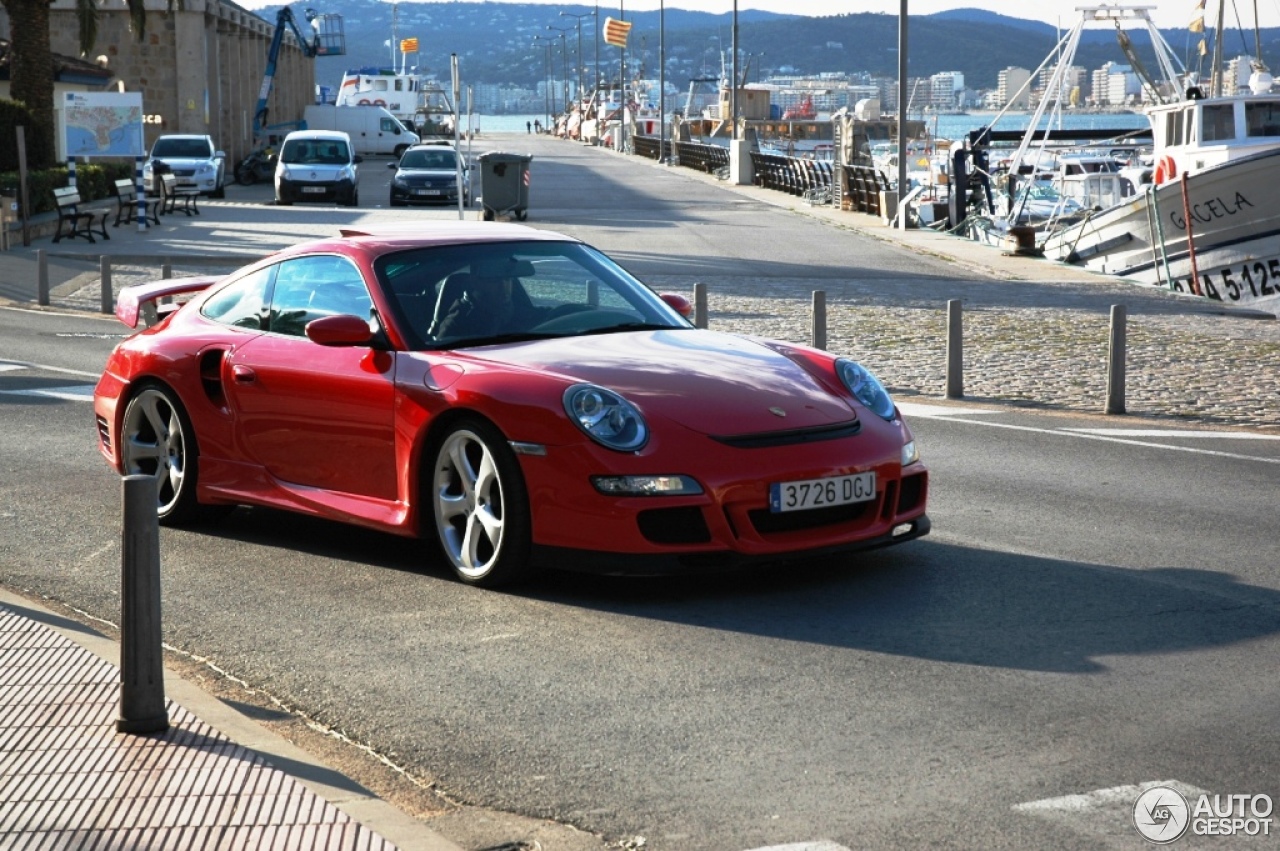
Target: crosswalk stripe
x,y
79,393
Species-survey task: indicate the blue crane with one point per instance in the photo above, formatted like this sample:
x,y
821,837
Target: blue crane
x,y
327,39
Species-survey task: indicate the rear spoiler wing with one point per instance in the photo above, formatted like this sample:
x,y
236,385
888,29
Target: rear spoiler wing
x,y
141,301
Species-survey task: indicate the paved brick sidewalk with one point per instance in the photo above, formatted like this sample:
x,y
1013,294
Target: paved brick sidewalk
x,y
68,780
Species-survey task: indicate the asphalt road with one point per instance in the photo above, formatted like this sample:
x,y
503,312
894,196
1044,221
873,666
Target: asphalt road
x,y
1098,607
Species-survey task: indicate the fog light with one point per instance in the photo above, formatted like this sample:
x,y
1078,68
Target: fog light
x,y
646,485
902,529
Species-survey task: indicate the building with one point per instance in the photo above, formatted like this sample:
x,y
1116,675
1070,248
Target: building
x,y
1012,90
199,68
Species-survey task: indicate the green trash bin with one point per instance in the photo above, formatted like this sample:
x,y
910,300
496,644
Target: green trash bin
x,y
504,184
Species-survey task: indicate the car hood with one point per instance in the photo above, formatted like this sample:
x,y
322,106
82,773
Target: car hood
x,y
184,162
425,172
710,382
314,171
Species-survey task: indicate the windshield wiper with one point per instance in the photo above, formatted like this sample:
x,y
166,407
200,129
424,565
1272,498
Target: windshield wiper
x,y
634,326
494,340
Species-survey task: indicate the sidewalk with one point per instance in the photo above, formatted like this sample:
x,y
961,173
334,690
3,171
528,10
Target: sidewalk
x,y
214,780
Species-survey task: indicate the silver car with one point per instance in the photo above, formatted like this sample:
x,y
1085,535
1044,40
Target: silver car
x,y
194,160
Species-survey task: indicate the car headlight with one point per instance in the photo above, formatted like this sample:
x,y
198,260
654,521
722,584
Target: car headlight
x,y
865,387
400,182
910,454
606,417
205,169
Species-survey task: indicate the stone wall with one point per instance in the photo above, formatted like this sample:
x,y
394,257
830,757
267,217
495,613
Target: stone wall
x,y
199,69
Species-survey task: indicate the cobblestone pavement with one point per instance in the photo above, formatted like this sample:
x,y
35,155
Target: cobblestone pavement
x,y
1045,344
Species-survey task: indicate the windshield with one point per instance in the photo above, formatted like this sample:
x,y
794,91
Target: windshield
x,y
184,148
315,152
437,159
484,293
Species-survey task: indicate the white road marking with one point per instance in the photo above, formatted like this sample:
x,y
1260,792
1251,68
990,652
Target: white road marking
x,y
13,364
1169,432
921,409
1100,799
942,412
819,845
80,393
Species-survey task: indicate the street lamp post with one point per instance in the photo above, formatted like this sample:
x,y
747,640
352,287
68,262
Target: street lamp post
x,y
578,67
548,96
564,61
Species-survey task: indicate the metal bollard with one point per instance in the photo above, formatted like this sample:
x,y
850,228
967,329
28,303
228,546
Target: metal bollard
x,y
142,703
42,277
955,350
819,319
700,305
108,295
166,270
1116,361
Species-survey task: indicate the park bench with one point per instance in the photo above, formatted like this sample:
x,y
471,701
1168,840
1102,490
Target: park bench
x,y
77,222
173,199
127,204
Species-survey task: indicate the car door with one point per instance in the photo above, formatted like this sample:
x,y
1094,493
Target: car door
x,y
312,415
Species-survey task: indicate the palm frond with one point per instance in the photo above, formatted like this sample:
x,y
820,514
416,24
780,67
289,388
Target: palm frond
x,y
87,18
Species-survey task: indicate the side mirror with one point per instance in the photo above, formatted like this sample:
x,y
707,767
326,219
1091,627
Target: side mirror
x,y
393,165
219,155
357,159
342,330
677,302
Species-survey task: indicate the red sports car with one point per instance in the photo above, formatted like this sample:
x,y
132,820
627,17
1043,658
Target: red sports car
x,y
512,394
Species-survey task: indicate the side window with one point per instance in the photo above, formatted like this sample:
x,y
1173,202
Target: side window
x,y
309,288
1218,122
390,125
241,303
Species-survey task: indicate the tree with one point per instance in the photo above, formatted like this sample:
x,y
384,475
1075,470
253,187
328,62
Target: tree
x,y
31,65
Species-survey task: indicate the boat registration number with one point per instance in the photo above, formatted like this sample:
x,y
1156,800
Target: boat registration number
x,y
1251,279
314,190
426,192
821,493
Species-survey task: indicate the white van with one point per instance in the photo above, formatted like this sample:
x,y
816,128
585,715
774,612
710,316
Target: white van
x,y
317,165
372,129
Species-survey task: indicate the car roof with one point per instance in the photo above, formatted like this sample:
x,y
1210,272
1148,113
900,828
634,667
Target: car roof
x,y
319,134
443,232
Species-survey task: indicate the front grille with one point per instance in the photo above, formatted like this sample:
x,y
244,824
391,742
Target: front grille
x,y
674,525
790,438
104,433
767,522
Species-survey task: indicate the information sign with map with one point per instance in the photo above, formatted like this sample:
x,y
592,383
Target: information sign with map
x,y
103,124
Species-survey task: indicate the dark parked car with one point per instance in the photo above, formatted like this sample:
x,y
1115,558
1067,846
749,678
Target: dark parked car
x,y
428,174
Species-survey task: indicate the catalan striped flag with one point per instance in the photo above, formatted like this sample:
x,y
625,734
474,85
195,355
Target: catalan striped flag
x,y
616,32
1197,18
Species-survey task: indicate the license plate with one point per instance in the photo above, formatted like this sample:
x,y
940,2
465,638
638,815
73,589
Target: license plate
x,y
315,190
426,192
821,493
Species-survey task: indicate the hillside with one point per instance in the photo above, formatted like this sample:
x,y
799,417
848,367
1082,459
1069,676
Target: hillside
x,y
496,44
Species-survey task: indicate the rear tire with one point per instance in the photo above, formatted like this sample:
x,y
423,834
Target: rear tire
x,y
480,504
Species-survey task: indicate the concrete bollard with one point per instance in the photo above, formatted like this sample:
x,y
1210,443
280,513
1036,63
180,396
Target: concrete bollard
x,y
108,294
700,305
142,702
42,277
955,350
819,319
1116,361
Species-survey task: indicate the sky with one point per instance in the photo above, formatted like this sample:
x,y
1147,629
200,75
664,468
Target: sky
x,y
1168,14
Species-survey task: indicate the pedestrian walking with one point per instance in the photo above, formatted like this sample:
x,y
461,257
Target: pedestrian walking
x,y
528,127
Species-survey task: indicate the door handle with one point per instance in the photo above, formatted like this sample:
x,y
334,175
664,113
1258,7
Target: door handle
x,y
243,374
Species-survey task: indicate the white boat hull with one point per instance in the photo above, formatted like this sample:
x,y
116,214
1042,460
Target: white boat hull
x,y
1230,253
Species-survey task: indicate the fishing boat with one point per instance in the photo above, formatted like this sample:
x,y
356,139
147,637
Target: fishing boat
x,y
1208,223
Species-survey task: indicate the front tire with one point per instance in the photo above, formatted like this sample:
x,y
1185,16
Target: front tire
x,y
246,175
157,439
480,504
